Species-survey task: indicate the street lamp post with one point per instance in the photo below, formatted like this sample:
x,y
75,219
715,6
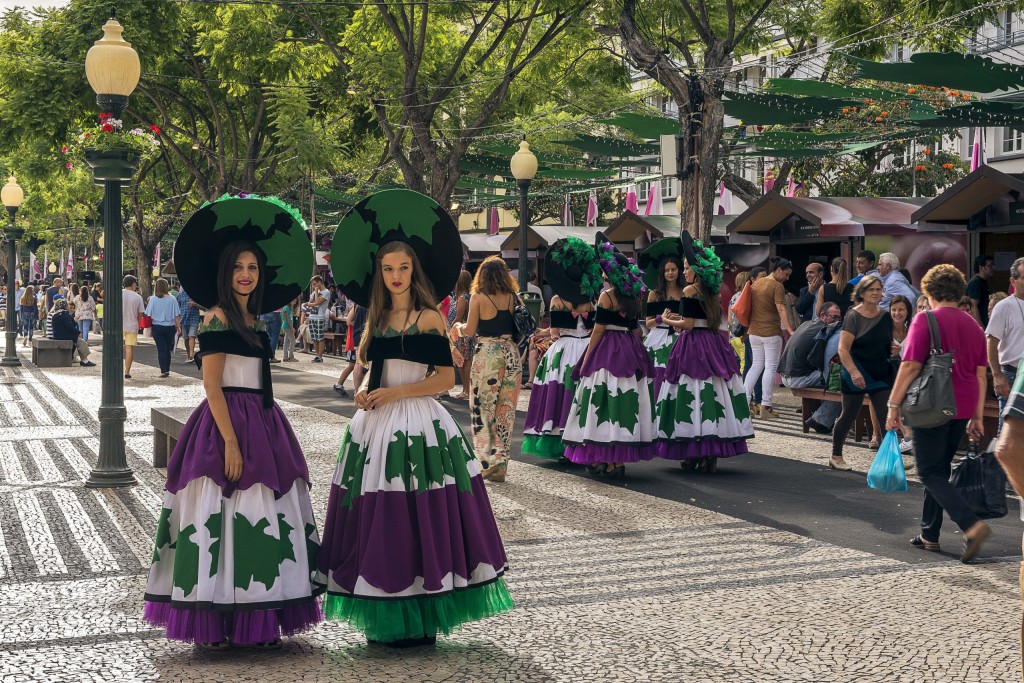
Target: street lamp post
x,y
12,196
113,70
524,168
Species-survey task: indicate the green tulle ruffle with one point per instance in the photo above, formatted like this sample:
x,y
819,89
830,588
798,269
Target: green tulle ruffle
x,y
543,446
402,618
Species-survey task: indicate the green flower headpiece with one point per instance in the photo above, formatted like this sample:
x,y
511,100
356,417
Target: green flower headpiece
x,y
708,266
574,252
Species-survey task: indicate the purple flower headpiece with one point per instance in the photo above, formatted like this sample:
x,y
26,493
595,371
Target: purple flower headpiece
x,y
627,278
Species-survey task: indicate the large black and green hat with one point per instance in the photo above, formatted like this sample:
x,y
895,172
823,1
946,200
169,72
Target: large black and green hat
x,y
573,271
276,228
651,259
621,271
388,216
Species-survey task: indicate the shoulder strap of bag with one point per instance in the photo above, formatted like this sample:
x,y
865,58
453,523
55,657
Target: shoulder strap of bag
x,y
933,333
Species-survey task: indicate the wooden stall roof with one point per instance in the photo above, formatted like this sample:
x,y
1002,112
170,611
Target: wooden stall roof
x,y
968,196
832,216
545,235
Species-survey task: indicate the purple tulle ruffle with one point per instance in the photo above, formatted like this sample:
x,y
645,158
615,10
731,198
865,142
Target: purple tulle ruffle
x,y
708,447
593,453
702,354
242,626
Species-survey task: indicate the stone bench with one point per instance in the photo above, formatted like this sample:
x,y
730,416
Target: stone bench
x,y
52,353
167,425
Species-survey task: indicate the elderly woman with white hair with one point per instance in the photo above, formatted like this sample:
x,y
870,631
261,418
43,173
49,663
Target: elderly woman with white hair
x,y
893,280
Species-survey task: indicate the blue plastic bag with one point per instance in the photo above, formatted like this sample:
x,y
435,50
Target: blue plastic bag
x,y
886,473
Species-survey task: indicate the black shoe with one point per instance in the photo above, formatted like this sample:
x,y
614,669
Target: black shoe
x,y
405,642
318,359
341,391
817,426
87,364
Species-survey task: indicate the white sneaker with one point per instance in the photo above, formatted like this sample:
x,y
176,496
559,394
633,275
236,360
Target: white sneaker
x,y
906,446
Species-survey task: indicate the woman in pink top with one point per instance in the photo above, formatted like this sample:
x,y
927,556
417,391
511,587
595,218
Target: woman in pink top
x,y
934,447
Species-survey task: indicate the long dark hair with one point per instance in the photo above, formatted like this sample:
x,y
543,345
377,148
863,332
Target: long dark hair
x,y
662,283
226,291
422,296
83,294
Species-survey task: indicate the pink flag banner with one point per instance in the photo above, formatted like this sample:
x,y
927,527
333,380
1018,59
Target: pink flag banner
x,y
632,204
769,181
978,149
33,267
592,209
70,267
156,258
724,200
46,263
653,207
567,217
494,221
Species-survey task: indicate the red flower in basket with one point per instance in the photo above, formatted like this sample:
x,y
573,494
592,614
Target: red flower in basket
x,y
107,128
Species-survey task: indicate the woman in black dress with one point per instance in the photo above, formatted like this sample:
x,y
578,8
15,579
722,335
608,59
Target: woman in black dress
x,y
835,291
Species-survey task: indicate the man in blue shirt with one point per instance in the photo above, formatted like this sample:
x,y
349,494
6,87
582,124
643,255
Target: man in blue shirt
x,y
189,321
893,281
865,265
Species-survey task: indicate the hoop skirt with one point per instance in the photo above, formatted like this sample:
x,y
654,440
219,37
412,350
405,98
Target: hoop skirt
x,y
551,397
612,415
410,548
702,409
235,560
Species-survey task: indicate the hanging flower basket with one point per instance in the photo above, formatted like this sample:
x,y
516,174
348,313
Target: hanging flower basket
x,y
112,164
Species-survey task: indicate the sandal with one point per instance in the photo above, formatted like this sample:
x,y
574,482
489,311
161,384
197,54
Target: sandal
x,y
274,644
972,544
924,544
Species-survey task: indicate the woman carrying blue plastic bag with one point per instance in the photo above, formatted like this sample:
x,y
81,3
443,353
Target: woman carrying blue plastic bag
x,y
886,473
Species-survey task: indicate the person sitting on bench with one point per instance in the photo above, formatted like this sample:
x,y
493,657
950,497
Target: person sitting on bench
x,y
803,363
64,327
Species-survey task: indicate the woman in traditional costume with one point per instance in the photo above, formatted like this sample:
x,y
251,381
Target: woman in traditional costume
x,y
663,270
702,409
236,538
573,271
611,421
410,548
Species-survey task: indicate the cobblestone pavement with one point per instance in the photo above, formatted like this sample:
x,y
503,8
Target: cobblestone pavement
x,y
610,584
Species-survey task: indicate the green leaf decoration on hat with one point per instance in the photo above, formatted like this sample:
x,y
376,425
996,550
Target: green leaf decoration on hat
x,y
395,215
571,255
276,229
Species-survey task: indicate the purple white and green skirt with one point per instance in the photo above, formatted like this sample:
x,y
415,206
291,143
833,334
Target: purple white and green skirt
x,y
235,560
411,548
611,419
659,343
551,397
702,409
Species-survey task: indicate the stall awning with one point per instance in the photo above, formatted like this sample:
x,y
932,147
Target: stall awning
x,y
781,217
629,226
968,196
481,245
543,236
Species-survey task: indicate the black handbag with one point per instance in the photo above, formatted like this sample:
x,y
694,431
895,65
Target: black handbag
x,y
980,480
524,323
930,401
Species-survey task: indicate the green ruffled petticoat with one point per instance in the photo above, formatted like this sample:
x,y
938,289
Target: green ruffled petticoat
x,y
420,617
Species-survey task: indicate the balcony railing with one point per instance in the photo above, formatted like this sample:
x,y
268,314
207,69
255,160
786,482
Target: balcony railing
x,y
986,44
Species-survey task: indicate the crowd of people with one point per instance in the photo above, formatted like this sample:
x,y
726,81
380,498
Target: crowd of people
x,y
638,359
56,311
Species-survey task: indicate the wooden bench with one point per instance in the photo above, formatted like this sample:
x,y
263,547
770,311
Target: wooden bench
x,y
167,425
810,399
52,353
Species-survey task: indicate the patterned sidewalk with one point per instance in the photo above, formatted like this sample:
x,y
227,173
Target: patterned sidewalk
x,y
610,584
